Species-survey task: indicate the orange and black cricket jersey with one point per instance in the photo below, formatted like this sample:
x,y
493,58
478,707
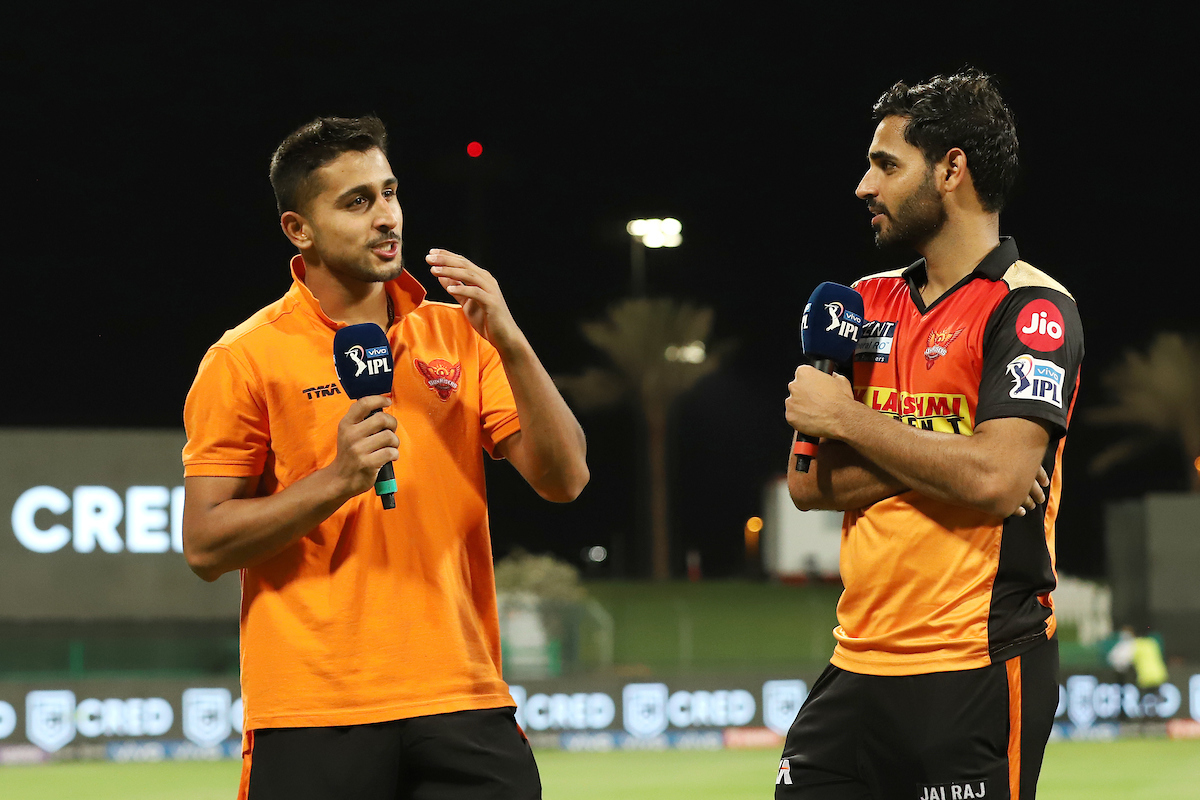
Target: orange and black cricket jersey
x,y
933,587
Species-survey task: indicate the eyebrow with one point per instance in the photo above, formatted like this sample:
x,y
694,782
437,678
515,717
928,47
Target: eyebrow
x,y
879,155
363,188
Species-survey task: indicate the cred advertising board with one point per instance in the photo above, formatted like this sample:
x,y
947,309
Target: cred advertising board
x,y
92,529
180,719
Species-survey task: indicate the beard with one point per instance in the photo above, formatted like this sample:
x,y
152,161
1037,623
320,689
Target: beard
x,y
918,217
363,267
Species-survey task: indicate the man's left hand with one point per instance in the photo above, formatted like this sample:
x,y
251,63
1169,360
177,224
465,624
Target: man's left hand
x,y
479,295
815,401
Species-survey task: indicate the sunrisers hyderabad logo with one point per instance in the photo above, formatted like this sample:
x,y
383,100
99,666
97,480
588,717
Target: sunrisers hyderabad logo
x,y
937,345
440,375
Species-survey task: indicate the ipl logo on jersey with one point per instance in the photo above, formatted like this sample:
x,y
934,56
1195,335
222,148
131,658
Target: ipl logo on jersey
x,y
1035,379
440,375
938,344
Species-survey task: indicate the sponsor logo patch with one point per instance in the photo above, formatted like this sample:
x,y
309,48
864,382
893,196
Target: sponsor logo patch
x,y
440,376
1040,326
875,342
938,344
948,413
1035,379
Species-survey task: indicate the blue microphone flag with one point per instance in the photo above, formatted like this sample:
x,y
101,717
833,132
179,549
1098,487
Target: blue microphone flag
x,y
831,323
363,359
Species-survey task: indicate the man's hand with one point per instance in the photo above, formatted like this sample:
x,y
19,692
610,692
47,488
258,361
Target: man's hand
x,y
479,294
814,400
1037,494
365,442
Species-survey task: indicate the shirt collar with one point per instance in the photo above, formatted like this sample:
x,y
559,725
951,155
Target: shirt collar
x,y
405,290
993,266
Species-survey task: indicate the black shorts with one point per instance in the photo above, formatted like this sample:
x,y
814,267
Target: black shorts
x,y
941,736
464,754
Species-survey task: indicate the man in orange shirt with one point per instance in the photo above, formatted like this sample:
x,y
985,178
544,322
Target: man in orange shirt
x,y
946,456
370,644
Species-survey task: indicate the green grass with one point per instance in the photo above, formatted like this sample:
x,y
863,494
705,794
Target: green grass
x,y
734,625
1148,769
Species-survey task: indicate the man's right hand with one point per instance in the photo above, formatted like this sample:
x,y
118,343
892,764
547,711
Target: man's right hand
x,y
365,442
1037,493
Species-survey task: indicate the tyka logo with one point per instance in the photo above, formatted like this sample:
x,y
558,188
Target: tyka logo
x,y
440,375
845,322
328,390
1040,326
1035,379
50,719
371,361
785,773
938,344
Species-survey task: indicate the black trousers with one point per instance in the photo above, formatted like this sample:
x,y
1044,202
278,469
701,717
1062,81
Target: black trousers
x,y
940,736
465,754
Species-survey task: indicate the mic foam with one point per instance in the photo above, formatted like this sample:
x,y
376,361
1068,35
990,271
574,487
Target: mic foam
x,y
831,322
363,359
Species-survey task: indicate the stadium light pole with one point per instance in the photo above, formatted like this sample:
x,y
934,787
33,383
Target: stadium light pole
x,y
653,233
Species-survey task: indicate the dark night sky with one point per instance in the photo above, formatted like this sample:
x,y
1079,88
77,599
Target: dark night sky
x,y
144,226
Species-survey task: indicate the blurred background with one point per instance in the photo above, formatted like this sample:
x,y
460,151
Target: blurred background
x,y
658,188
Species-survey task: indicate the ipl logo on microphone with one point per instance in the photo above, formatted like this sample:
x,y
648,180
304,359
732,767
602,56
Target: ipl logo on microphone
x,y
843,320
372,361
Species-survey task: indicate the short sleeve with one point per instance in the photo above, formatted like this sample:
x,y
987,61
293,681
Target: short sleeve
x,y
1032,351
498,410
225,419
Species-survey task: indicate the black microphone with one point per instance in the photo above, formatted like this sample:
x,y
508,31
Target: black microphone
x,y
828,333
363,359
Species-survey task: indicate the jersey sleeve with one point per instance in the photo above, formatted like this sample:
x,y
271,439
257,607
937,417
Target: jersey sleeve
x,y
228,434
498,410
1032,350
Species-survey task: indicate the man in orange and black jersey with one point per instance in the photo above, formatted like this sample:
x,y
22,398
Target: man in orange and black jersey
x,y
945,454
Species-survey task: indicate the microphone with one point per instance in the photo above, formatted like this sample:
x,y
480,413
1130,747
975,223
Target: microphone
x,y
363,359
828,333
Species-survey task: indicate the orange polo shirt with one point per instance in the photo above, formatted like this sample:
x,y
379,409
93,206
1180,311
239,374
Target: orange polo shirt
x,y
374,615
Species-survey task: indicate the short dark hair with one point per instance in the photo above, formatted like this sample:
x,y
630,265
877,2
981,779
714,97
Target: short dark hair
x,y
312,146
966,111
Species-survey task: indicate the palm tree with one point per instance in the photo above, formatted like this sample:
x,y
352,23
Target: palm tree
x,y
1159,390
658,351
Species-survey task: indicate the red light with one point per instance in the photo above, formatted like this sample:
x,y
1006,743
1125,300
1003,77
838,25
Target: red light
x,y
474,149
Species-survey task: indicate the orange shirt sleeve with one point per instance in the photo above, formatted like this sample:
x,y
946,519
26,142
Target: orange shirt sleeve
x,y
225,419
497,408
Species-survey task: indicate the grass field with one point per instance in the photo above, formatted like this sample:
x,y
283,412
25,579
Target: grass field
x,y
1148,769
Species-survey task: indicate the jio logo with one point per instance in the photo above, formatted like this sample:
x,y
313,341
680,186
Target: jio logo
x,y
1040,326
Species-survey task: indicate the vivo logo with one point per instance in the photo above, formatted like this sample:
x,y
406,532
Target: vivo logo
x,y
152,517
